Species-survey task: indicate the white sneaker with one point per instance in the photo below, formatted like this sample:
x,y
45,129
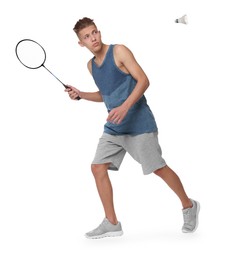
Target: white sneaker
x,y
105,229
191,217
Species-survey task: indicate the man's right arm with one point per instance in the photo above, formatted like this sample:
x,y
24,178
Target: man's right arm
x,y
74,93
91,96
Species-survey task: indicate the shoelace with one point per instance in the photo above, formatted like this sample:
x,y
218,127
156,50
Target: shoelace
x,y
102,224
186,216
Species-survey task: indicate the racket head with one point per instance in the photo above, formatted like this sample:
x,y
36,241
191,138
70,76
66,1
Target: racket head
x,y
30,53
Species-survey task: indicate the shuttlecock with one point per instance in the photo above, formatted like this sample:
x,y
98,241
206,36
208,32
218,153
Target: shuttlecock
x,y
183,19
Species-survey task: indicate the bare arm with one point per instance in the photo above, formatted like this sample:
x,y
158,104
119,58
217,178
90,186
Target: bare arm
x,y
126,62
74,93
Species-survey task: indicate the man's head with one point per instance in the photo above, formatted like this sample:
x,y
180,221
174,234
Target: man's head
x,y
88,34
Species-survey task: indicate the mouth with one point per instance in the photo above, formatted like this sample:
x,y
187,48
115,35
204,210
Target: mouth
x,y
95,44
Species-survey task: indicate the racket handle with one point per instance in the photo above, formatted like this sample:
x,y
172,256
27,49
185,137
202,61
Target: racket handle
x,y
78,98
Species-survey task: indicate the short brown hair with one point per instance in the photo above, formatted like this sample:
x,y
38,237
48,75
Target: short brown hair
x,y
83,23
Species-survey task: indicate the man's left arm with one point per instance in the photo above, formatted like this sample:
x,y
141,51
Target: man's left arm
x,y
126,58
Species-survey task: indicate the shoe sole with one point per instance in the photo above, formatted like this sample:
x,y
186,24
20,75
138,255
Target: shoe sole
x,y
196,226
108,234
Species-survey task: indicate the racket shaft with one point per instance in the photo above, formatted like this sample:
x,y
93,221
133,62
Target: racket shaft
x,y
78,98
54,76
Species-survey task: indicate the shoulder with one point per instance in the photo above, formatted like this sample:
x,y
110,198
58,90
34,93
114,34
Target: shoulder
x,y
122,52
120,48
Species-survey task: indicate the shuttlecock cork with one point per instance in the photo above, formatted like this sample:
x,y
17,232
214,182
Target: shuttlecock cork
x,y
182,19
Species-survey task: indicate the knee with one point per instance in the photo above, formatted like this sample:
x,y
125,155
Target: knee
x,y
160,172
98,169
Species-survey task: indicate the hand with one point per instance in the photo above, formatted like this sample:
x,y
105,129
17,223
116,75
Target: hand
x,y
73,92
116,115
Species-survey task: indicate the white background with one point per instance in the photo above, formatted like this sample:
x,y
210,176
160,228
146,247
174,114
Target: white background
x,y
48,198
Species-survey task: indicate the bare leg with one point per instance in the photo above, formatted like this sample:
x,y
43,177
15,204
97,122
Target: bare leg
x,y
105,190
173,181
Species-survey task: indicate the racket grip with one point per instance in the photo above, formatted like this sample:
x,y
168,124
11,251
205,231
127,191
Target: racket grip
x,y
78,98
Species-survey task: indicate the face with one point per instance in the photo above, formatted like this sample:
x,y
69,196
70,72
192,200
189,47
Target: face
x,y
90,38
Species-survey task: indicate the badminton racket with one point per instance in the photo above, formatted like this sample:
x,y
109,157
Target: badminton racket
x,y
33,56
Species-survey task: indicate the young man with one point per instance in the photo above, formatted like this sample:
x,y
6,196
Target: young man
x,y
130,126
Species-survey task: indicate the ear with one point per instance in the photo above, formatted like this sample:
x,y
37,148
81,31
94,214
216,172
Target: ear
x,y
81,44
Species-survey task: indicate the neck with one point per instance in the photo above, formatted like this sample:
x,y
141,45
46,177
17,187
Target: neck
x,y
100,54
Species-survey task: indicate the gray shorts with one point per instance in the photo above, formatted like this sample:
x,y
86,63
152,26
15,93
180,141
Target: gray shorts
x,y
144,148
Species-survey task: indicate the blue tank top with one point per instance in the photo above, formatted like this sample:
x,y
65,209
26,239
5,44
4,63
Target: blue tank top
x,y
115,86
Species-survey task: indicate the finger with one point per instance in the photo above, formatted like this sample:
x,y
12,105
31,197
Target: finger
x,y
111,115
73,95
113,119
69,90
118,121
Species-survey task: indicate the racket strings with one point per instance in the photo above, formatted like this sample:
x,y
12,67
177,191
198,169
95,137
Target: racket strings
x,y
30,54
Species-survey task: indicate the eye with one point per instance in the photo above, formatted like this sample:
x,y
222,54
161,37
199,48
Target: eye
x,y
86,36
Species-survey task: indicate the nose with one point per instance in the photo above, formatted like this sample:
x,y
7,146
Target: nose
x,y
93,38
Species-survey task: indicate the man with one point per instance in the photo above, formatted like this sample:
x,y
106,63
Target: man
x,y
130,126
